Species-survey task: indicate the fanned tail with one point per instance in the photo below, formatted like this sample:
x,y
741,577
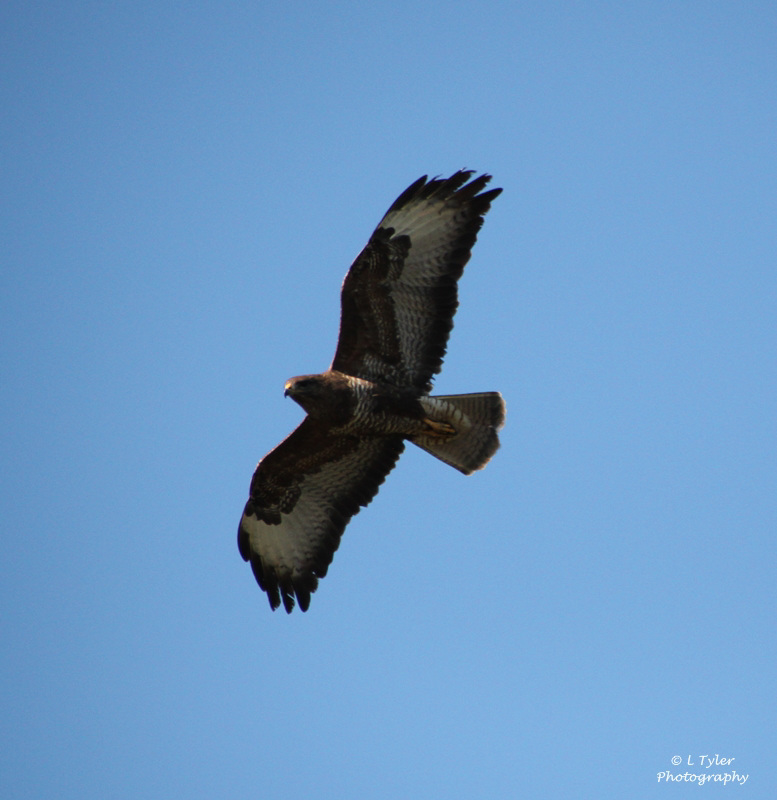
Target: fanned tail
x,y
475,420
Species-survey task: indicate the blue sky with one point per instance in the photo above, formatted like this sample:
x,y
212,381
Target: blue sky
x,y
183,189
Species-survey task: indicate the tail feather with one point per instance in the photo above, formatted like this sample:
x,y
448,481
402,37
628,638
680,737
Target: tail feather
x,y
475,419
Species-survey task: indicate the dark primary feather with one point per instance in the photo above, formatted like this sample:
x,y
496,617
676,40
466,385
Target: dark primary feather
x,y
399,297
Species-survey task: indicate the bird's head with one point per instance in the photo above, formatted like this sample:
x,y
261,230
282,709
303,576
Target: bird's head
x,y
305,390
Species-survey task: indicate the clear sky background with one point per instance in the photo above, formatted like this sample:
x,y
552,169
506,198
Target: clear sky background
x,y
183,189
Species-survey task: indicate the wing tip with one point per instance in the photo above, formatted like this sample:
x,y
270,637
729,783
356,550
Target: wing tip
x,y
285,589
458,186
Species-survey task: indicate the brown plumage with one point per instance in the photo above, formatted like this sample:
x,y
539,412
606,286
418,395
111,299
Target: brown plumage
x,y
398,301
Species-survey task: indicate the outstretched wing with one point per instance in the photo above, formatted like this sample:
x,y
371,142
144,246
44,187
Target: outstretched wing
x,y
303,493
399,297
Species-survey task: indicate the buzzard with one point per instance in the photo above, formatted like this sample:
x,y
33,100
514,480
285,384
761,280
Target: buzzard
x,y
397,305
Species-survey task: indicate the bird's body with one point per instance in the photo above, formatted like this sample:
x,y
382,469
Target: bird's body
x,y
398,301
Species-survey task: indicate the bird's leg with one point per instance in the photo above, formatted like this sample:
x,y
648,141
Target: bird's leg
x,y
438,429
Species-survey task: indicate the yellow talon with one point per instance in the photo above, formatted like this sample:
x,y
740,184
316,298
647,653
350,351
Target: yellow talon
x,y
441,429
